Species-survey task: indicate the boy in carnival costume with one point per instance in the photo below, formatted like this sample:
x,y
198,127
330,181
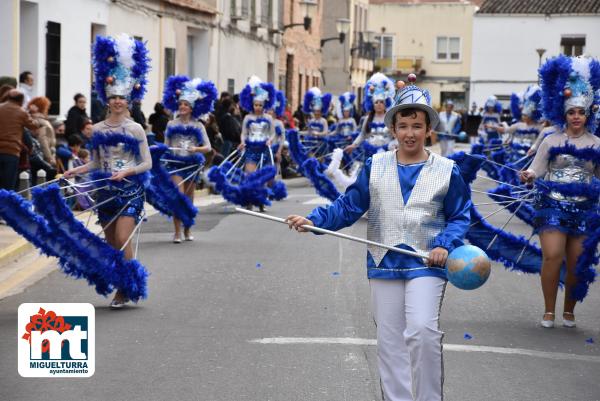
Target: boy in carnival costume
x,y
415,200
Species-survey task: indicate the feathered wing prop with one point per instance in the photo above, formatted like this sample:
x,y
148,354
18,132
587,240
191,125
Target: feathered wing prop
x,y
516,253
73,261
297,150
252,190
164,195
323,185
102,264
333,170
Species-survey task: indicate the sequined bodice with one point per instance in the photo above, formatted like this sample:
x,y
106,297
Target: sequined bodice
x,y
525,136
184,143
259,130
379,134
345,127
116,158
568,169
316,127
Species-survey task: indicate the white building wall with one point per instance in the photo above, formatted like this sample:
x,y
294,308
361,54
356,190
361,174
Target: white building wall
x,y
505,60
23,41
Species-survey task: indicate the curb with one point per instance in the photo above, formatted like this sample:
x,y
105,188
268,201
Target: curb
x,y
17,248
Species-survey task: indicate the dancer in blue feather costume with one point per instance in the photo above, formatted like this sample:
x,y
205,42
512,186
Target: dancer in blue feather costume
x,y
566,170
250,180
186,138
120,162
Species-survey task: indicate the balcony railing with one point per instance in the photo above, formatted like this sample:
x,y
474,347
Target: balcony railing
x,y
399,64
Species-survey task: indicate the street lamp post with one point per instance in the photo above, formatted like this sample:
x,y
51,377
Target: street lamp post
x,y
540,53
308,6
342,25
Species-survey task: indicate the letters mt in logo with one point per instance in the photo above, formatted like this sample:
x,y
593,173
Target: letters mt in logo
x,y
56,340
46,331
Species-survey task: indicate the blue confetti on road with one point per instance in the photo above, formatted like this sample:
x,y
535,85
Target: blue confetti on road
x,y
590,340
258,266
467,336
335,273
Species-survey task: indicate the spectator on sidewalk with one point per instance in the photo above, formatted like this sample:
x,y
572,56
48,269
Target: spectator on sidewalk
x,y
76,115
38,109
137,114
158,122
13,120
4,90
26,86
98,108
230,128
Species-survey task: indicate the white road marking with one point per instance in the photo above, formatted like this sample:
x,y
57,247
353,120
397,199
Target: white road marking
x,y
317,201
448,347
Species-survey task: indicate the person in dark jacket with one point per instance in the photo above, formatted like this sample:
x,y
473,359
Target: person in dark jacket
x,y
230,127
137,114
158,122
76,115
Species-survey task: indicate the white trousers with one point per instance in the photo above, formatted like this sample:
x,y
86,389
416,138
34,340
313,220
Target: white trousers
x,y
409,342
446,146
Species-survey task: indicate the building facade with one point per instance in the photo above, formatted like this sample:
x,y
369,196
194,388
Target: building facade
x,y
347,65
429,38
507,60
53,38
248,42
300,53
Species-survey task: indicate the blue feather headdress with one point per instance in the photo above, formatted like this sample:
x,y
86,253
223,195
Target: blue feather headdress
x,y
378,87
532,99
120,67
256,89
280,103
201,95
569,82
494,103
345,102
315,100
516,103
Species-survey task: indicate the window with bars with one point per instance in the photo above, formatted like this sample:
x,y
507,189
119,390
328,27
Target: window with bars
x,y
447,48
572,45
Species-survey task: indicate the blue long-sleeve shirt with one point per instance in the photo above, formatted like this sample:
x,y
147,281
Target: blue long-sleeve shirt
x,y
348,208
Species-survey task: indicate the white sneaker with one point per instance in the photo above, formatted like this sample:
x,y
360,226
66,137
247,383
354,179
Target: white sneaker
x,y
176,239
189,237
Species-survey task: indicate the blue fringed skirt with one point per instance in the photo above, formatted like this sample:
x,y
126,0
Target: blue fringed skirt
x,y
570,218
128,202
254,154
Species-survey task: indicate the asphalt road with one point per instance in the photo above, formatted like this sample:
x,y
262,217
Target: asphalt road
x,y
217,306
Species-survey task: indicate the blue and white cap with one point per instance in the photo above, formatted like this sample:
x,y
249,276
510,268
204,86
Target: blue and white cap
x,y
493,102
412,97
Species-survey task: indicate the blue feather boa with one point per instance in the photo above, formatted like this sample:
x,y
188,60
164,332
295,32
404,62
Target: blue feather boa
x,y
189,131
253,188
106,140
297,150
102,265
590,154
280,102
590,191
323,185
515,106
